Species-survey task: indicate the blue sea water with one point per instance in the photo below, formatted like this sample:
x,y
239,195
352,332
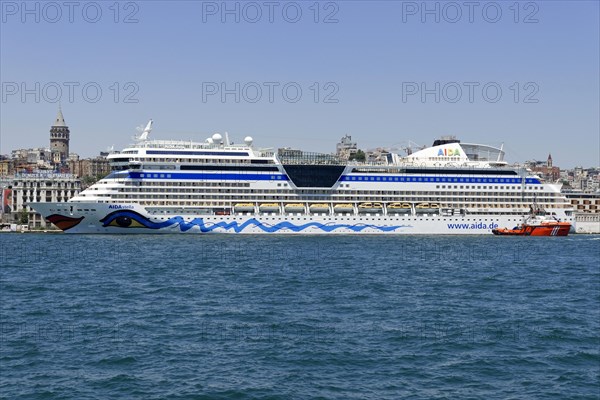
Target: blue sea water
x,y
299,317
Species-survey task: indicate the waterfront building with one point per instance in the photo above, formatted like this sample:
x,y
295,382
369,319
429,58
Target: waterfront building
x,y
587,211
584,202
587,223
40,186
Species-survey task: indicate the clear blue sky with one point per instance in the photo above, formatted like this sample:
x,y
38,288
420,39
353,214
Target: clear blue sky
x,y
376,56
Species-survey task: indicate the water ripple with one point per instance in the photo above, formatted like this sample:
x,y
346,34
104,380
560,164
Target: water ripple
x,y
272,317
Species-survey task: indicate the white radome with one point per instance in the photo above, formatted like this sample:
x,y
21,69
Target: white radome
x,y
217,138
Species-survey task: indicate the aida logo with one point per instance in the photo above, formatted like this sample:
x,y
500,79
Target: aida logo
x,y
448,152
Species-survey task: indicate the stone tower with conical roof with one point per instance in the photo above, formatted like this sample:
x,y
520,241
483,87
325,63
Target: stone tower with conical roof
x,y
59,139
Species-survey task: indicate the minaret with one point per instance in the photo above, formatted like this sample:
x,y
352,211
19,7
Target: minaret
x,y
549,161
59,139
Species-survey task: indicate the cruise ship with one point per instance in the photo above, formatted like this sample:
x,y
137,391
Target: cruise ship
x,y
216,186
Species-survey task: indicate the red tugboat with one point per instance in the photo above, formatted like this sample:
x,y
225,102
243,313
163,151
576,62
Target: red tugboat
x,y
536,224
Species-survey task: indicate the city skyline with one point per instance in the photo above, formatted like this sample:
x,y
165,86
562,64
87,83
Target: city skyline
x,y
395,148
384,73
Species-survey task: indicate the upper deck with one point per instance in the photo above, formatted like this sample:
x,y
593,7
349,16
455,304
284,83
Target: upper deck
x,y
450,152
445,153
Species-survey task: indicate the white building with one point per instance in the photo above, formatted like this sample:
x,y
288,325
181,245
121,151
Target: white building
x,y
40,187
587,211
346,147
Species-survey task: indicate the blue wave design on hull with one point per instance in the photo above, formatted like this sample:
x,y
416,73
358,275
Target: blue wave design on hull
x,y
184,226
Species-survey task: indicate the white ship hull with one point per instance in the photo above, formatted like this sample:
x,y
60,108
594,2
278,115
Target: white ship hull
x,y
104,218
219,187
